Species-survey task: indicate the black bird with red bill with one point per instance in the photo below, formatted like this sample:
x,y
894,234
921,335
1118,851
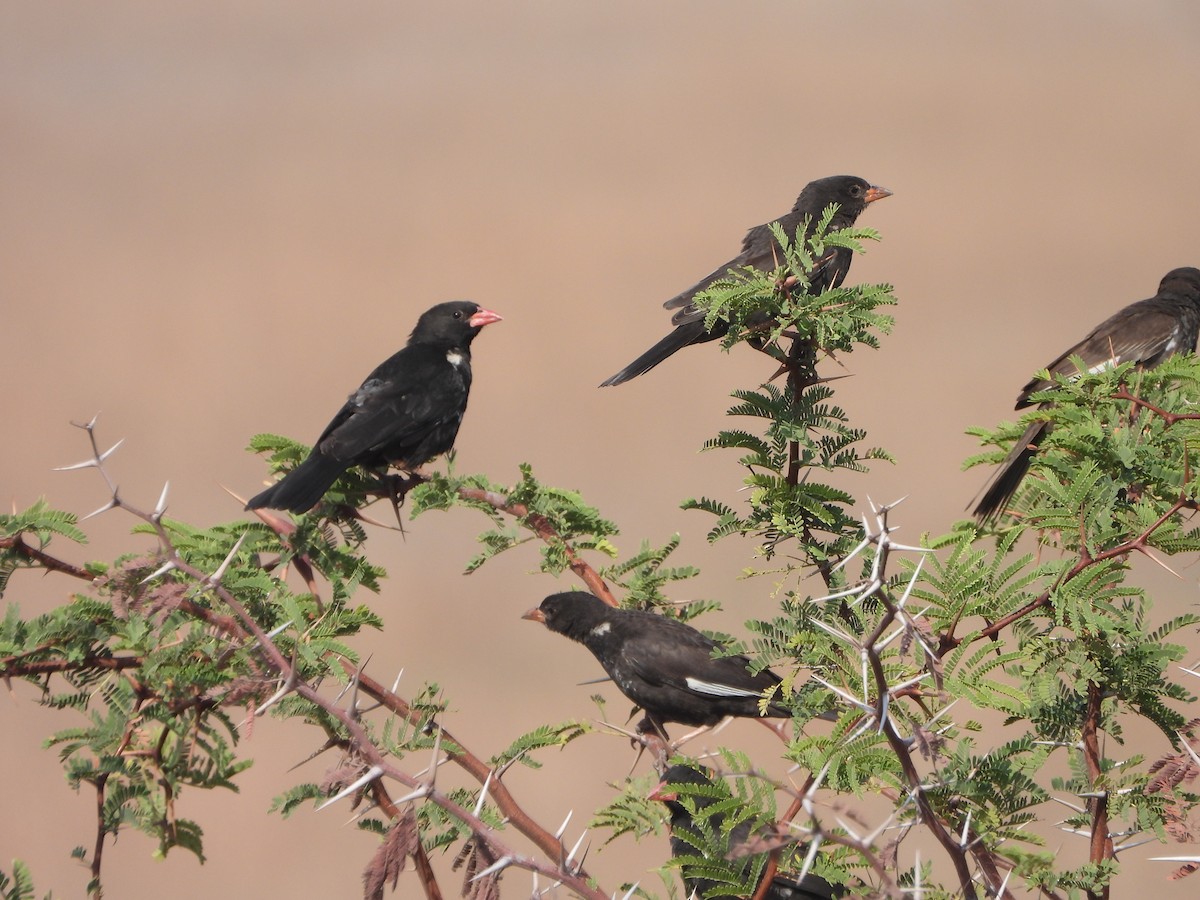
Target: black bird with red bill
x,y
759,249
1145,333
405,413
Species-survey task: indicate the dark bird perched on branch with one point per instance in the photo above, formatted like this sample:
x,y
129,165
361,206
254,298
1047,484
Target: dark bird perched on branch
x,y
759,249
1145,332
405,413
664,666
688,838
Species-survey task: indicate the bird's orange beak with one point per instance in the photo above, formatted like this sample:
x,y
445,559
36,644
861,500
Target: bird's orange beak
x,y
485,317
535,615
874,192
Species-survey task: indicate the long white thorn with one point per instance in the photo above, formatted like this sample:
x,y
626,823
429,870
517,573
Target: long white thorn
x,y
94,462
161,570
111,504
502,863
161,506
563,827
215,578
371,774
483,794
574,850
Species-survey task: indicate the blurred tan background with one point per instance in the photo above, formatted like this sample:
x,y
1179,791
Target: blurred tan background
x,y
199,201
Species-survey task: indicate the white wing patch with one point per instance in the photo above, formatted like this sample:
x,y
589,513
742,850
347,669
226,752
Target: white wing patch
x,y
717,690
602,629
454,358
1107,364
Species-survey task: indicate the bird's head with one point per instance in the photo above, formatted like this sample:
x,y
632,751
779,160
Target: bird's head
x,y
851,193
1184,282
454,323
569,612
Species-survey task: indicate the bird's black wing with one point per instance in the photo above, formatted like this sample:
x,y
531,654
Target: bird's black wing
x,y
683,660
409,395
1142,333
752,255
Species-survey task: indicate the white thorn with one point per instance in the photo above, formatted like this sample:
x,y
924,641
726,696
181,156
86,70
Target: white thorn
x,y
372,773
902,685
849,698
563,827
502,863
1188,748
422,791
161,506
111,504
161,570
215,578
574,850
808,859
483,794
95,461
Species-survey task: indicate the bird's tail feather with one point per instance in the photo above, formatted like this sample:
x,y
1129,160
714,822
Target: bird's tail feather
x,y
301,489
1008,477
679,338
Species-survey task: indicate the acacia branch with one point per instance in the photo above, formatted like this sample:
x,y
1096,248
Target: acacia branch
x,y
50,563
12,668
543,528
469,762
1101,845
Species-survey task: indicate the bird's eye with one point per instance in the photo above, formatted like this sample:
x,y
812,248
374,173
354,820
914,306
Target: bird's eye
x,y
458,314
855,190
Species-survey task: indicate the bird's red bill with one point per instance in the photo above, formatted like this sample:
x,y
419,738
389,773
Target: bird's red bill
x,y
535,615
874,192
484,317
662,794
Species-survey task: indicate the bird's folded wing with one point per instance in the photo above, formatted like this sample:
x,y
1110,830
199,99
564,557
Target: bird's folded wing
x,y
385,410
1132,335
690,666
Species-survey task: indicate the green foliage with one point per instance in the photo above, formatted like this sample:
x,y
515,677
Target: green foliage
x,y
758,303
802,437
561,515
539,739
20,885
1109,467
965,676
39,524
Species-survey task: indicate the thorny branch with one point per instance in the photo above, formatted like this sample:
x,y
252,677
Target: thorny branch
x,y
241,626
1101,845
878,710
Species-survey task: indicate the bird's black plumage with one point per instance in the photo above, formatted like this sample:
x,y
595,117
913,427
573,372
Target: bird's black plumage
x,y
664,666
406,412
852,194
687,835
1145,333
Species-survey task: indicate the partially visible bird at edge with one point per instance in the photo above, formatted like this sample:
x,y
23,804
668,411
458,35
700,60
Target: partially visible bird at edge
x,y
1145,333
